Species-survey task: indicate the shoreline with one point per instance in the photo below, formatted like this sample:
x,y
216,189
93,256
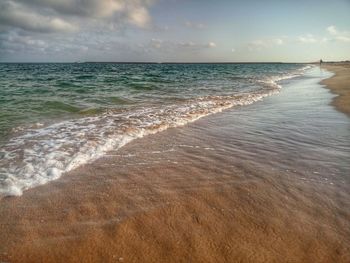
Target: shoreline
x,y
339,85
198,193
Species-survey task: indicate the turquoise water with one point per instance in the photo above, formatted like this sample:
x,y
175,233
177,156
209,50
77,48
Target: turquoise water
x,y
56,117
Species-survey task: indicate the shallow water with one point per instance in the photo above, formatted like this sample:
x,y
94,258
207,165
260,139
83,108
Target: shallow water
x,y
56,117
296,133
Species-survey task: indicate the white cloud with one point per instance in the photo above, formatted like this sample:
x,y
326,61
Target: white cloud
x,y
343,36
333,35
211,44
332,30
309,38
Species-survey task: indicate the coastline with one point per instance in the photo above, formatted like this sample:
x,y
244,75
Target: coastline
x,y
211,191
339,85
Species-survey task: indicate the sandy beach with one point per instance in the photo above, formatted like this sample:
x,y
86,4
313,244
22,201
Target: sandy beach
x,y
146,131
219,190
339,84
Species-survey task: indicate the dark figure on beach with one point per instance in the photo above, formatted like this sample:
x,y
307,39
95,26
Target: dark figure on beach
x,y
321,61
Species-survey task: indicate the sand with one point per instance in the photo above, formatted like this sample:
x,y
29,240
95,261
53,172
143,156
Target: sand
x,y
163,213
172,197
340,85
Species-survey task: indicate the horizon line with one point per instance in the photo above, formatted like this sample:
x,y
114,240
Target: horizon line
x,y
166,62
146,62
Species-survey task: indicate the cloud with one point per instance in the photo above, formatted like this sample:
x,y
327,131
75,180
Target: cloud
x,y
169,46
332,30
333,35
309,38
343,36
139,16
256,44
90,8
211,44
47,16
13,42
12,14
265,43
278,41
195,25
156,43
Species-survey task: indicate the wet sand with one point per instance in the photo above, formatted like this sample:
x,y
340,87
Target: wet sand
x,y
340,85
233,187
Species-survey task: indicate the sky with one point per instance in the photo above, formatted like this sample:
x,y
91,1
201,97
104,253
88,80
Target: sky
x,y
174,30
